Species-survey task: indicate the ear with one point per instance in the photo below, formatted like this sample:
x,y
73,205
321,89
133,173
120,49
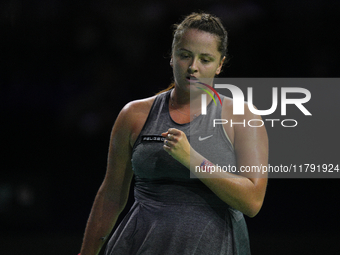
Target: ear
x,y
218,70
171,62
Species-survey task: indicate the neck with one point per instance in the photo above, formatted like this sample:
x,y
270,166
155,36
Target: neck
x,y
187,100
180,97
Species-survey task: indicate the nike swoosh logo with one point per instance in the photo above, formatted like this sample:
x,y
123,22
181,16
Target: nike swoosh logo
x,y
203,138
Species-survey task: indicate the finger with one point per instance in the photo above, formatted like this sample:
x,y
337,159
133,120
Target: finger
x,y
174,131
164,134
170,144
170,136
167,148
167,145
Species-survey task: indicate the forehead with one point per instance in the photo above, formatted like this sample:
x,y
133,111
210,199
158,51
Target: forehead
x,y
198,41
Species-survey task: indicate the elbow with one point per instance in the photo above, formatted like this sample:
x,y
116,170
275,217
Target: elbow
x,y
252,214
253,209
254,203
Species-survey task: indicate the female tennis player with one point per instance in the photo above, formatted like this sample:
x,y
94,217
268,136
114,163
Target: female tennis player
x,y
173,212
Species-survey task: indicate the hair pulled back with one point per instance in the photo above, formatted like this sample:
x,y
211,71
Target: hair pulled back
x,y
205,22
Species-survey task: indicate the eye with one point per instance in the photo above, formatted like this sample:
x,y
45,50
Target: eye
x,y
184,56
205,61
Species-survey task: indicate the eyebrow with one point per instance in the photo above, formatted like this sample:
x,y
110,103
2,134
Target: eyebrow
x,y
204,54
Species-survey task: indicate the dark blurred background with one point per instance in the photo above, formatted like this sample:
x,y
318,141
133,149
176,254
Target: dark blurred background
x,y
68,67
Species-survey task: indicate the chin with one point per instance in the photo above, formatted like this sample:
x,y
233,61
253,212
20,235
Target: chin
x,y
194,90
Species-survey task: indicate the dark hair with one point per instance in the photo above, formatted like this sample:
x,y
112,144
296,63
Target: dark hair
x,y
204,22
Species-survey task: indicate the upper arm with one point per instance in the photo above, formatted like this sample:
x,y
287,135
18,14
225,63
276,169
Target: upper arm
x,y
125,131
251,149
250,140
119,172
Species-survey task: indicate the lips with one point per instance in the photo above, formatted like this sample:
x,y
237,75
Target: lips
x,y
191,78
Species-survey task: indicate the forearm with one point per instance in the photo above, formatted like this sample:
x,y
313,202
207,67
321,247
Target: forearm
x,y
102,218
244,193
237,191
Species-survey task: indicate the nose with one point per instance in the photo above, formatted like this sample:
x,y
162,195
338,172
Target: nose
x,y
193,66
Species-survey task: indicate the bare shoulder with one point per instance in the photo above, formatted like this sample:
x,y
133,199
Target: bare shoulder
x,y
125,128
227,115
135,110
133,116
139,106
239,123
250,129
227,105
228,109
